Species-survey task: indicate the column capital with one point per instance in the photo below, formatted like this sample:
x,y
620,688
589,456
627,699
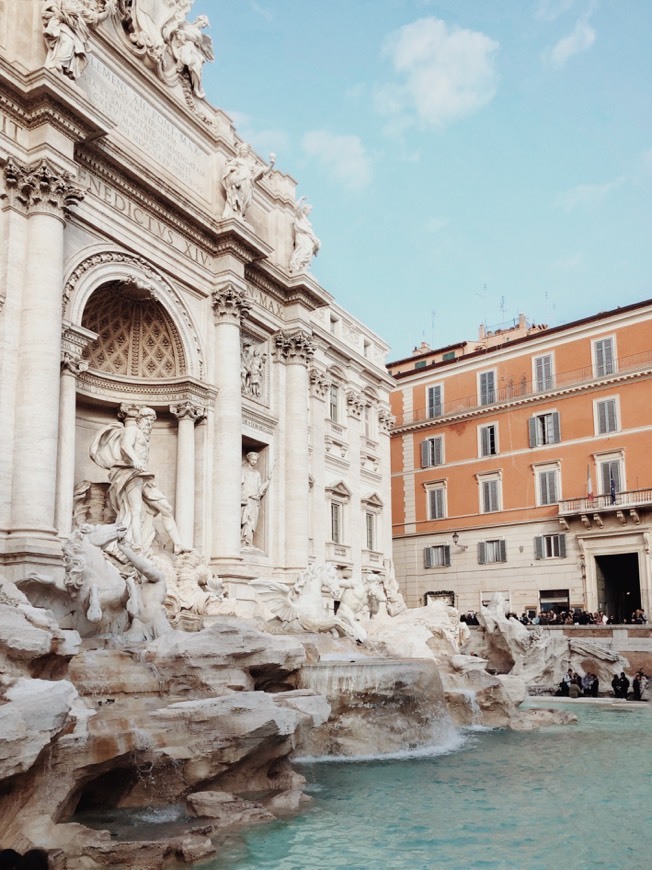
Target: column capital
x,y
188,411
74,340
41,188
296,346
319,384
385,420
229,303
354,404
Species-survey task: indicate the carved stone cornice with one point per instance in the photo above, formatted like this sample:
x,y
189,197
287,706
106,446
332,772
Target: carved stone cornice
x,y
319,384
159,393
188,411
40,188
230,304
355,404
296,346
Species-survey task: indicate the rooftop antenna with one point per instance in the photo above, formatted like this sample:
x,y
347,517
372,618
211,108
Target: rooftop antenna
x,y
483,296
502,309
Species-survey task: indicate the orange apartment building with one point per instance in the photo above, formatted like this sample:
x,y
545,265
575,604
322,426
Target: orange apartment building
x,y
522,463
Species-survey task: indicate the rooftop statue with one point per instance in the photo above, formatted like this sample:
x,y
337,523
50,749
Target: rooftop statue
x,y
66,30
153,22
190,48
241,172
306,243
123,450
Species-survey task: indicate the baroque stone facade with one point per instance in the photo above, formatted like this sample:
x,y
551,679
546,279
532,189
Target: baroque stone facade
x,y
151,260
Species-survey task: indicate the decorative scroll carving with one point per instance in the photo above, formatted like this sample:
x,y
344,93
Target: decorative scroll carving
x,y
295,347
230,304
42,187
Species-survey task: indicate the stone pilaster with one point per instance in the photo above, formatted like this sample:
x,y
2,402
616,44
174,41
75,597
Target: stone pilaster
x,y
319,387
229,308
44,193
355,532
385,422
295,349
187,414
74,340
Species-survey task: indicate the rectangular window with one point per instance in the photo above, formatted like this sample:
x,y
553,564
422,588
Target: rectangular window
x,y
421,364
434,401
436,502
547,484
543,373
370,527
603,357
437,557
449,355
334,402
550,547
554,599
490,494
488,440
544,429
611,478
432,452
606,416
336,522
492,551
487,388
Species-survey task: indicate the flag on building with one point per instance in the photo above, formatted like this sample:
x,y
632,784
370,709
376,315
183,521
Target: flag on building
x,y
612,490
589,484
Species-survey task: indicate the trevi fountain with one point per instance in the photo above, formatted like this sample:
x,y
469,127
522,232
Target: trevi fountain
x,y
179,622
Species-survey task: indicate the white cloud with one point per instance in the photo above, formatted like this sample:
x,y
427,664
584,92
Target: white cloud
x,y
435,225
569,264
550,10
271,139
585,195
443,73
262,11
343,156
580,40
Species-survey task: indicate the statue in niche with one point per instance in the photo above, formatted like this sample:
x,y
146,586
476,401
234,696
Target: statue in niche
x,y
252,491
190,48
241,172
123,450
66,30
252,368
306,243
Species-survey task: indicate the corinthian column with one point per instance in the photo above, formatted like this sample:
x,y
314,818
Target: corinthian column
x,y
295,350
44,193
75,339
229,307
187,413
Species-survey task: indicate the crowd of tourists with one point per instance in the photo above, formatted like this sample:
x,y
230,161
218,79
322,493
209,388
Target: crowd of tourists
x,y
587,686
581,617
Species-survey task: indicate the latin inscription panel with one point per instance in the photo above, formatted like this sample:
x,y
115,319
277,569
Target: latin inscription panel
x,y
145,126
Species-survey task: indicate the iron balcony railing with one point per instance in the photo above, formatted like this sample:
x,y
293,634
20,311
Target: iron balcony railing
x,y
622,500
514,391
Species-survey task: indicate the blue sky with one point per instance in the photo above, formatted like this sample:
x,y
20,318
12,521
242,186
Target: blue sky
x,y
466,160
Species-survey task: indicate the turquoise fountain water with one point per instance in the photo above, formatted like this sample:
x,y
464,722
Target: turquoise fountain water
x,y
569,796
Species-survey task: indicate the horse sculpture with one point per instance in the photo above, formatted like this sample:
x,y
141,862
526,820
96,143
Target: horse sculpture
x,y
95,598
304,605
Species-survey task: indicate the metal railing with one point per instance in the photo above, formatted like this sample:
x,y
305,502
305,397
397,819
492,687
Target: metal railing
x,y
514,391
622,500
